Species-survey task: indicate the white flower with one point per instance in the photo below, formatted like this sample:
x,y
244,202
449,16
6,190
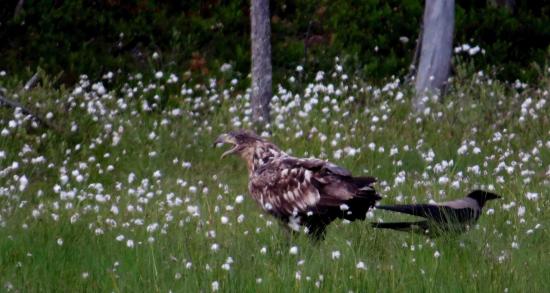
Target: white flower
x,y
215,286
532,196
463,149
59,241
225,67
239,199
23,182
474,50
263,250
224,220
152,227
215,247
294,250
521,211
131,178
335,254
437,254
159,74
443,180
455,184
157,174
130,243
240,218
64,179
361,266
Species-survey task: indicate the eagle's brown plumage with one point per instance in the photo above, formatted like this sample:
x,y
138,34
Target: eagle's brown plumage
x,y
300,192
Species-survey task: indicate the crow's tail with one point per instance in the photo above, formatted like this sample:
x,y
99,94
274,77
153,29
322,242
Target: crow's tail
x,y
420,226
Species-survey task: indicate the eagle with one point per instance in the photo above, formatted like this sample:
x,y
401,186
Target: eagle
x,y
440,218
303,193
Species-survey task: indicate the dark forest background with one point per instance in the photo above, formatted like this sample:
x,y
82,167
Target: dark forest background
x,y
373,38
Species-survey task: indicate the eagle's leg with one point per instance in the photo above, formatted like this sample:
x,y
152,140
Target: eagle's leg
x,y
290,234
317,232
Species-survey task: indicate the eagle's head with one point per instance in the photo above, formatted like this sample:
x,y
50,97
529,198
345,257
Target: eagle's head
x,y
251,147
241,141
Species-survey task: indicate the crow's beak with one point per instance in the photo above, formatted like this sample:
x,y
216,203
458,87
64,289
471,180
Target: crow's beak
x,y
491,196
223,139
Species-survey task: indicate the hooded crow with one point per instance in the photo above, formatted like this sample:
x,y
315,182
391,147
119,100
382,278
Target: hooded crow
x,y
453,216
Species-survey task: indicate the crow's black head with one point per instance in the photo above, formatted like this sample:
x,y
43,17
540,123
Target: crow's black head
x,y
482,196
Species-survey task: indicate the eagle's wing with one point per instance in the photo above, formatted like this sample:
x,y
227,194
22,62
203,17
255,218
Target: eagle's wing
x,y
288,185
284,189
317,165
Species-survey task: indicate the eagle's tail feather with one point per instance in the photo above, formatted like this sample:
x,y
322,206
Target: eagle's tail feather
x,y
365,188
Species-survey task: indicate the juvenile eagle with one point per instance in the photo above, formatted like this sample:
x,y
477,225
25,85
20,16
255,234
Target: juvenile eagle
x,y
298,191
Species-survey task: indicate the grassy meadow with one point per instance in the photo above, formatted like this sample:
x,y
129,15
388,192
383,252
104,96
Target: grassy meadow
x,y
124,192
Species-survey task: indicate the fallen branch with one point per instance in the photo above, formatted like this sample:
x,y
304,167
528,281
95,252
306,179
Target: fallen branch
x,y
14,104
32,82
25,110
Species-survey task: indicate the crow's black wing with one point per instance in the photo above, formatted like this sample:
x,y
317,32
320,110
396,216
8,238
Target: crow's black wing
x,y
430,211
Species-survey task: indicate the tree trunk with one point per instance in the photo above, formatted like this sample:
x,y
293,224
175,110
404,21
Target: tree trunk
x,y
261,61
436,50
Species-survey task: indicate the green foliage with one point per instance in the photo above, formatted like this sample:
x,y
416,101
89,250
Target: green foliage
x,y
95,36
514,42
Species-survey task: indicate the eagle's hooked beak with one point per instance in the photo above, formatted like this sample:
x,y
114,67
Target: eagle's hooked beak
x,y
223,139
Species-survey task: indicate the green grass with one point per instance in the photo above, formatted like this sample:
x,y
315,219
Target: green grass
x,y
506,251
